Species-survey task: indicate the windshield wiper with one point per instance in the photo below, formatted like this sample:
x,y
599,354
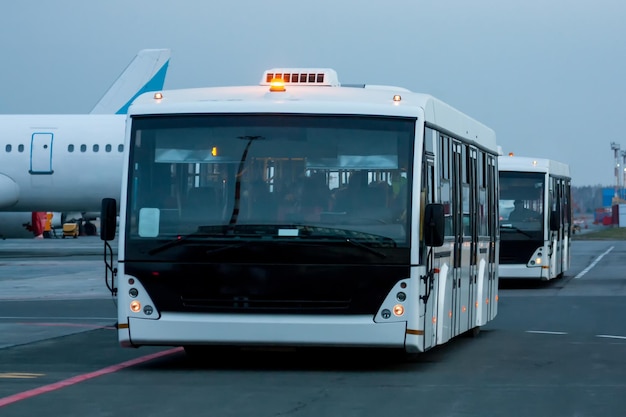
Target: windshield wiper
x,y
216,232
514,229
348,234
273,231
183,239
367,248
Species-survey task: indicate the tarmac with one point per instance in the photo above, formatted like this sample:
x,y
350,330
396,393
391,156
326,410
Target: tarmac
x,y
51,288
53,268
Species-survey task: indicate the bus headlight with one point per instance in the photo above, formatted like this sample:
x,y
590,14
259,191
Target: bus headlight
x,y
398,310
135,306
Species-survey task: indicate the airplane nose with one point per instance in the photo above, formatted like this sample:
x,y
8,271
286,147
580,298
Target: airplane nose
x,y
9,192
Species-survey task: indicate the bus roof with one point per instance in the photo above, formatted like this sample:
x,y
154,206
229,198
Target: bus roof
x,y
327,97
529,164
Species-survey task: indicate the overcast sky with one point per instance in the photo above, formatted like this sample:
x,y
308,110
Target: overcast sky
x,y
546,75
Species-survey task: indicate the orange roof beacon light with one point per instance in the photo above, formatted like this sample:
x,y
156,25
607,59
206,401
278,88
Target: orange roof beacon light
x,y
277,85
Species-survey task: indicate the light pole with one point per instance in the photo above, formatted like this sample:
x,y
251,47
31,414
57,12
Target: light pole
x,y
623,153
615,147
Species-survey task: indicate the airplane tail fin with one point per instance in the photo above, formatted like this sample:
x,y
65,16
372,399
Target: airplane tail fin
x,y
146,72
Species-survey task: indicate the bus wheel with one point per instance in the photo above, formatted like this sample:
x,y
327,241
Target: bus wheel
x,y
403,356
473,332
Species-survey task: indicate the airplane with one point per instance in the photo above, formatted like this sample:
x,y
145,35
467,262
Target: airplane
x,y
68,162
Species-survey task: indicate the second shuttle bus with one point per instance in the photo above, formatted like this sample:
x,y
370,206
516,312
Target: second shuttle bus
x,y
535,217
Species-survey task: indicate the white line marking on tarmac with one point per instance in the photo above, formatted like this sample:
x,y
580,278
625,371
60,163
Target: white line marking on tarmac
x,y
584,271
544,332
609,336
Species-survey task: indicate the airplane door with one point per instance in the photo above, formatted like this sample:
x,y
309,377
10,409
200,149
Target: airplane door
x,y
41,153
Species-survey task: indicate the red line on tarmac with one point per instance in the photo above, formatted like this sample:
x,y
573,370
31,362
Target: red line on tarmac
x,y
84,377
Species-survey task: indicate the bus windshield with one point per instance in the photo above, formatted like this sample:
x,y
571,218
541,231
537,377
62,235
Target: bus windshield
x,y
296,173
521,204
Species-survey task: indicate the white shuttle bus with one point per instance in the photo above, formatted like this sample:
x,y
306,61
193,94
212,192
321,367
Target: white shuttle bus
x,y
303,213
535,217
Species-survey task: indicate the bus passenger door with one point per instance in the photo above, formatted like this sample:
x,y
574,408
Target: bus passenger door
x,y
558,234
459,251
494,236
474,217
445,256
430,287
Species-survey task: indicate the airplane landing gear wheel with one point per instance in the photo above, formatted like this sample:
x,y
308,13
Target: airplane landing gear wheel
x,y
90,229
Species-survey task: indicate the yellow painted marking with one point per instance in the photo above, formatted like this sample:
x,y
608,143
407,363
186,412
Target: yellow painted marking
x,y
19,375
123,326
415,332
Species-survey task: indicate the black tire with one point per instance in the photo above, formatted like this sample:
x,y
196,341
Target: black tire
x,y
473,332
90,229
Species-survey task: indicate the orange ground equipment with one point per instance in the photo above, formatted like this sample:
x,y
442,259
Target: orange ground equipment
x,y
70,230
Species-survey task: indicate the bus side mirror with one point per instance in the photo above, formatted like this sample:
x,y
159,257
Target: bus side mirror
x,y
555,220
108,219
433,225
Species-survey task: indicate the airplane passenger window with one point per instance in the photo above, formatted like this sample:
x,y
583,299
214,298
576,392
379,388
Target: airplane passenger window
x,y
8,148
107,148
83,148
120,148
96,148
20,148
70,148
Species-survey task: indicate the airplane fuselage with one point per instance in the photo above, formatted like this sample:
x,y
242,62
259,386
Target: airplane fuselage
x,y
60,162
